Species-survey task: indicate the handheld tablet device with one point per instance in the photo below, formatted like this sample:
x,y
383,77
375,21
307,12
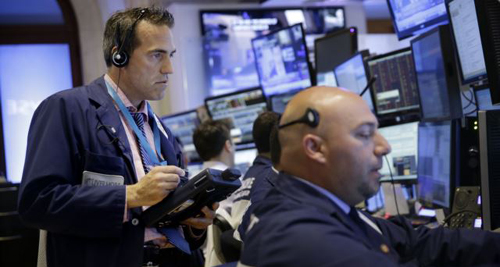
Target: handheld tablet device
x,y
204,189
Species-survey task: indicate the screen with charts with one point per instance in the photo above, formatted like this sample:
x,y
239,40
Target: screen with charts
x,y
467,39
182,126
240,109
352,76
279,102
228,55
403,139
436,160
282,61
412,17
395,89
483,99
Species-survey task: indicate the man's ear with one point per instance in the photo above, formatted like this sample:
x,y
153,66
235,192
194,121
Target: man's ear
x,y
228,146
313,147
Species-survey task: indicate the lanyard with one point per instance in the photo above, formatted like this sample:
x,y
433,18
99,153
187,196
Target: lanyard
x,y
156,158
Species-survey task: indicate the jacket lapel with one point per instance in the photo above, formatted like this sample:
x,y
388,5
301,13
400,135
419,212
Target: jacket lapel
x,y
109,118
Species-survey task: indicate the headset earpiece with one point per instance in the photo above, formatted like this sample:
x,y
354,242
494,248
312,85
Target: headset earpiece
x,y
311,118
120,57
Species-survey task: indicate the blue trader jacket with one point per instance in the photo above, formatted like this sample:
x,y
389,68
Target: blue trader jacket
x,y
297,225
71,132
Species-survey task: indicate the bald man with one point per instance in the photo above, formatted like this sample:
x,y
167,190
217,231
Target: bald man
x,y
331,156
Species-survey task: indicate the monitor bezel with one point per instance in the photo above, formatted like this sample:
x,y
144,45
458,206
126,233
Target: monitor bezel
x,y
453,88
412,31
354,42
309,66
400,116
473,79
454,163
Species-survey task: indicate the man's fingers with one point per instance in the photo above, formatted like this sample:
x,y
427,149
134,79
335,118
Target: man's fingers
x,y
169,169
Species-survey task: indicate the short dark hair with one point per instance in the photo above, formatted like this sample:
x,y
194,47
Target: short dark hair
x,y
275,145
209,138
120,22
261,131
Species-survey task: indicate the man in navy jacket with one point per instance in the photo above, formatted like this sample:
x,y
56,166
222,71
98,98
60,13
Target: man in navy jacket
x,y
88,176
330,161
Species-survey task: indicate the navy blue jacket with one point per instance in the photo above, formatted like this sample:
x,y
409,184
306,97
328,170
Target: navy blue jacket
x,y
71,132
298,226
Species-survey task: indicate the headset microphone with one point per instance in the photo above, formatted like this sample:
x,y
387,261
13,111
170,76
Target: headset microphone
x,y
120,57
311,118
369,84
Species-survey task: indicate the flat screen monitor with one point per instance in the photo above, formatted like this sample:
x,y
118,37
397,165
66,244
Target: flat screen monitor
x,y
414,17
243,159
335,48
437,81
353,76
437,163
182,126
278,102
488,15
403,139
326,79
240,109
228,55
483,99
282,60
395,89
469,48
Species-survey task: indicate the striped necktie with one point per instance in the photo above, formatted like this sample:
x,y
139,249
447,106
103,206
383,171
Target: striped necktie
x,y
140,119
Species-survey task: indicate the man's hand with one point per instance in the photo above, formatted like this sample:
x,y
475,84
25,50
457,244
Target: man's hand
x,y
154,186
203,221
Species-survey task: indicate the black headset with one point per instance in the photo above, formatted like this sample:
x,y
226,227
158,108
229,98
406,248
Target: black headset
x,y
120,57
311,118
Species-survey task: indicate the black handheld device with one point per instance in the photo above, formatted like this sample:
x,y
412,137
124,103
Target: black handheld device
x,y
207,187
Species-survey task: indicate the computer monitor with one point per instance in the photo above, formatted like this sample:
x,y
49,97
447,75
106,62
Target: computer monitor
x,y
352,75
403,139
488,14
243,158
437,81
278,102
240,109
335,48
395,89
483,100
415,17
467,40
228,55
282,60
182,126
489,142
437,168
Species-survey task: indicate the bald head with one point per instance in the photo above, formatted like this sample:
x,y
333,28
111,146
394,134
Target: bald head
x,y
345,140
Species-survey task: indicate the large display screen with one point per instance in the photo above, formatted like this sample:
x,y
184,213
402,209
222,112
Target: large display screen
x,y
467,40
182,126
282,61
395,89
227,44
240,109
412,17
29,73
352,75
